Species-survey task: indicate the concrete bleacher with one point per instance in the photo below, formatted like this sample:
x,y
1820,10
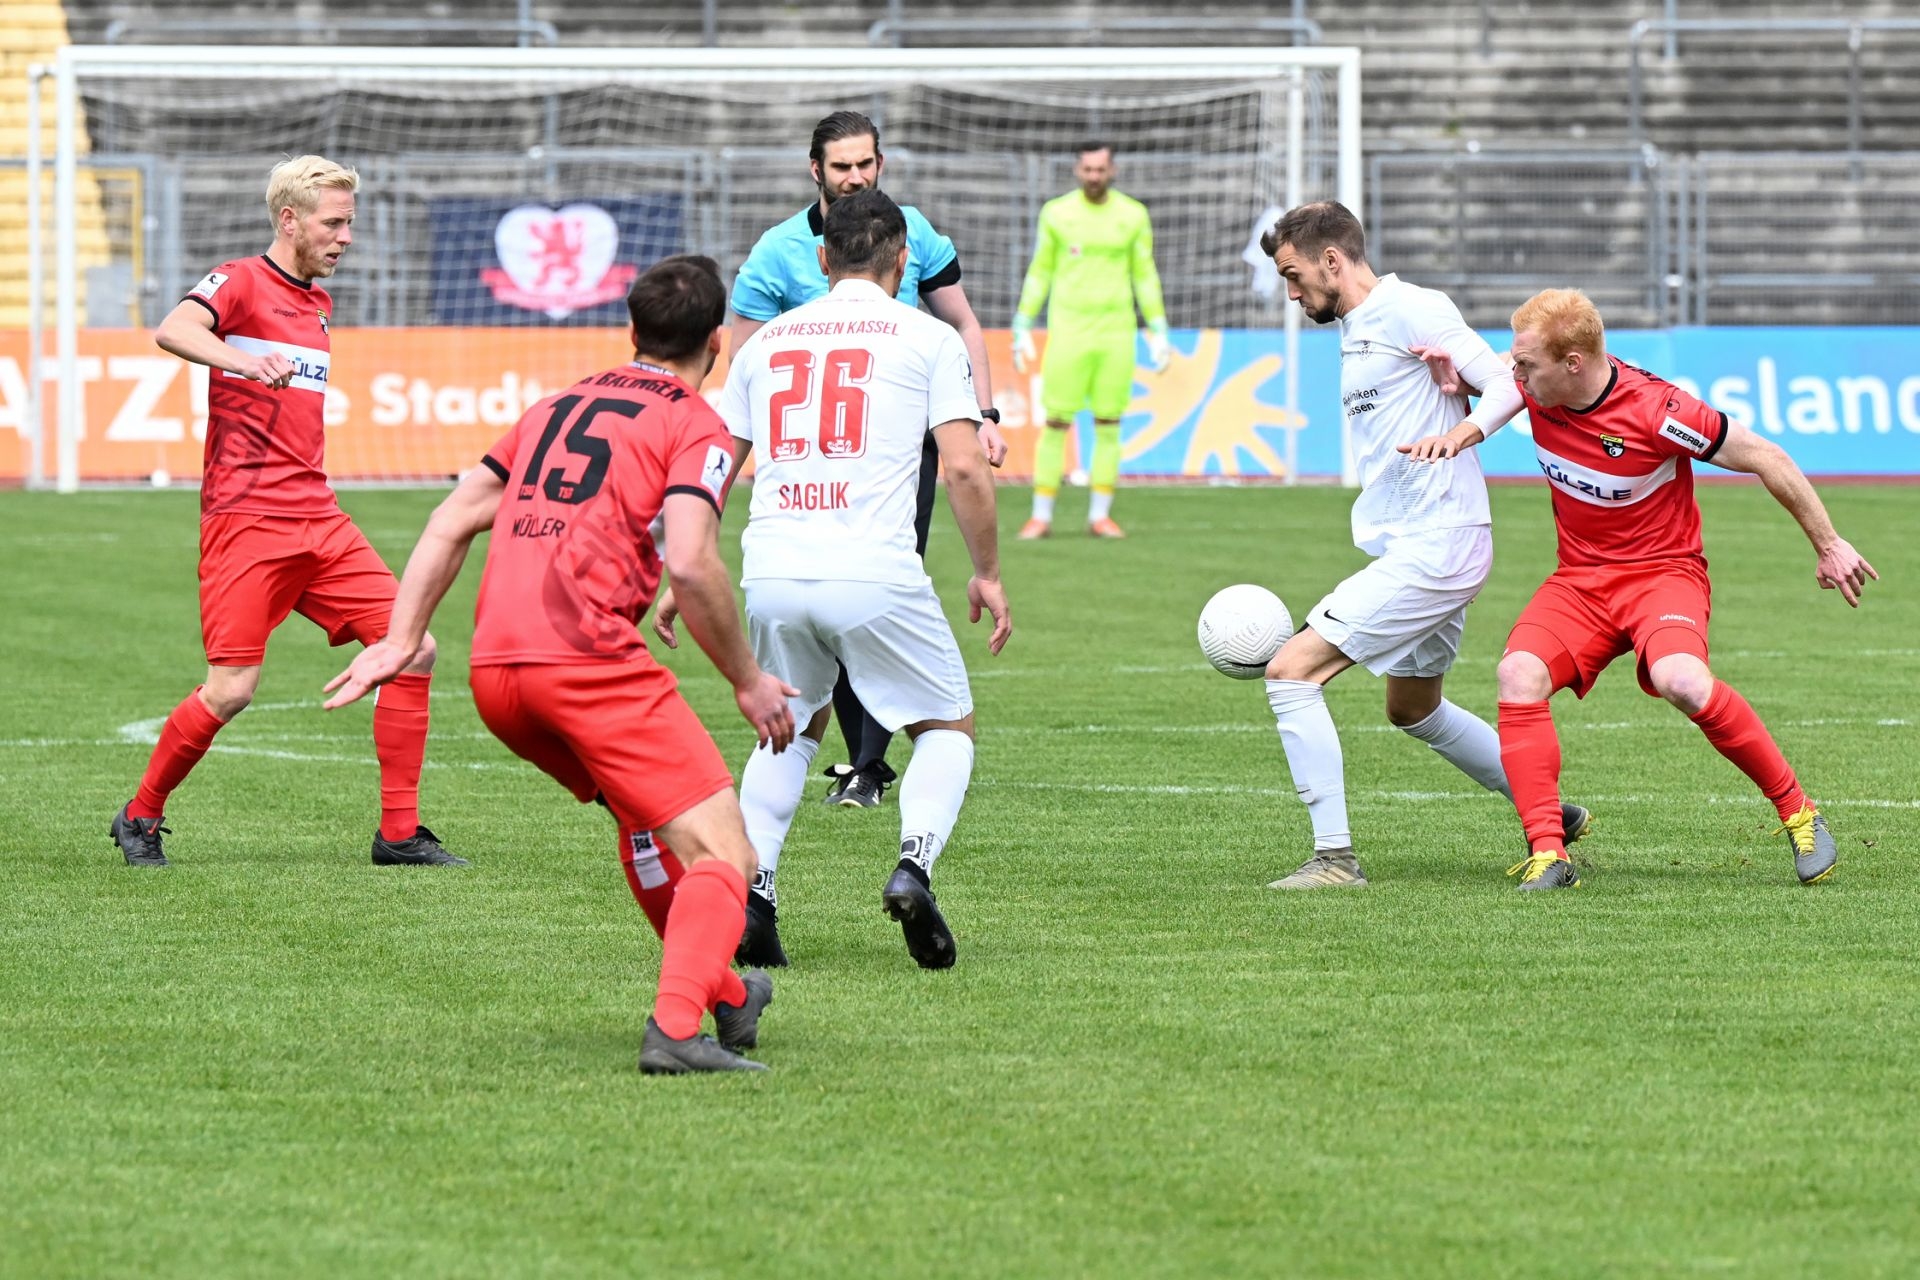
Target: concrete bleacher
x,y
1495,98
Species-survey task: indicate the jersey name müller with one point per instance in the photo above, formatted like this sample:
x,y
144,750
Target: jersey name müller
x,y
1389,399
266,448
1621,469
837,397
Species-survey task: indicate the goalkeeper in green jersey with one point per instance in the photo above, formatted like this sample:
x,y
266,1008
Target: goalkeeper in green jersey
x,y
1095,256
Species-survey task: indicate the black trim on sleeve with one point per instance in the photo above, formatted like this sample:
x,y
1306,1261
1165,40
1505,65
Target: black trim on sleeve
x,y
698,491
492,464
211,309
947,275
1719,440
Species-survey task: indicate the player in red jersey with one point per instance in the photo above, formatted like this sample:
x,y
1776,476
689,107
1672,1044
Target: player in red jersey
x,y
273,539
1617,446
560,673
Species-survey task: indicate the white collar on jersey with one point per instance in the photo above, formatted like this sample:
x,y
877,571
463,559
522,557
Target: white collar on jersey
x,y
854,287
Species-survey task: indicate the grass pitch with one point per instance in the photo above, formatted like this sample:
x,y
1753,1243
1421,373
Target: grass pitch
x,y
274,1058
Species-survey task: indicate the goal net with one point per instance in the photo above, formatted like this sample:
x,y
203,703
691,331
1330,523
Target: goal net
x,y
509,195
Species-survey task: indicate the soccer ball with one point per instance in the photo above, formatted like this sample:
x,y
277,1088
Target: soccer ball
x,y
1241,629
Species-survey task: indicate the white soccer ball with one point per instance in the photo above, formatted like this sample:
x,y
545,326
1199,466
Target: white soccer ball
x,y
1241,629
160,479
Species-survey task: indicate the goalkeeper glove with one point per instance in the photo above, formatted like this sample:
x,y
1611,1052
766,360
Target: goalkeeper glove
x,y
1159,349
1025,354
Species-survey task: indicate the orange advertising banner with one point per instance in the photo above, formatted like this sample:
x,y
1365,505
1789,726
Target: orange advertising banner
x,y
418,403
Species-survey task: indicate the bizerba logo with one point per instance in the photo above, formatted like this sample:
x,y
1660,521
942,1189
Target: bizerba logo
x,y
1597,487
1682,434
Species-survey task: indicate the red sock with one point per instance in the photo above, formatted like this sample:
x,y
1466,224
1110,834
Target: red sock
x,y
400,741
185,738
703,928
1530,753
652,873
1736,732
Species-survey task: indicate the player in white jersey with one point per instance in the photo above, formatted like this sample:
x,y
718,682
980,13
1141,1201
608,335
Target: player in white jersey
x,y
1428,526
835,397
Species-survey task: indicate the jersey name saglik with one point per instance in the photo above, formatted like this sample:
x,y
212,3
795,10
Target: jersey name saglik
x,y
837,397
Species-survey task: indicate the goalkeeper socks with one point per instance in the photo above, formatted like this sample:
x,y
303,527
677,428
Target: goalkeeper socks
x,y
1099,505
1313,755
1466,742
770,788
652,873
1049,465
1737,732
183,740
400,742
931,793
1105,471
703,928
1530,750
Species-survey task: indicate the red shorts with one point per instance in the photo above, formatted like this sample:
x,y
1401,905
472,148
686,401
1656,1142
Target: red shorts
x,y
1582,619
255,570
618,729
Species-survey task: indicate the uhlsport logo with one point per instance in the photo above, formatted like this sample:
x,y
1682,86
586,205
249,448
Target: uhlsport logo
x,y
557,261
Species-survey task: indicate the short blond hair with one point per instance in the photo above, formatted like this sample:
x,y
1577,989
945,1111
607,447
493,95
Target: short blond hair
x,y
1566,320
297,183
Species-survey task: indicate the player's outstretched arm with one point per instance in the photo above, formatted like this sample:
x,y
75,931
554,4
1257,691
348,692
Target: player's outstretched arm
x,y
705,599
951,305
187,332
430,570
1840,567
970,494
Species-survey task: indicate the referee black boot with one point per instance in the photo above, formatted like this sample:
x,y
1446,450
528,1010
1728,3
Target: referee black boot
x,y
421,849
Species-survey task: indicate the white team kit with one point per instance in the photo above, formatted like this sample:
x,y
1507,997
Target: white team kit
x,y
837,397
1428,523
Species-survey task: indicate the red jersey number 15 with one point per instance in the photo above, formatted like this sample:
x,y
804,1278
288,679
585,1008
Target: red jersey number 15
x,y
840,426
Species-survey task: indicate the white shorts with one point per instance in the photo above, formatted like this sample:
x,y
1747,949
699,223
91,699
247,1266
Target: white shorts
x,y
1403,614
894,641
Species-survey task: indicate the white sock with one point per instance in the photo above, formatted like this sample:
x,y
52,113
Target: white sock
x,y
931,793
1313,755
1043,507
1466,742
1099,505
770,788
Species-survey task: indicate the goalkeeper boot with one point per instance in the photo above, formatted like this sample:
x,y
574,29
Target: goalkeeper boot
x,y
738,1026
421,849
1548,870
1814,852
1104,527
139,838
662,1055
1326,869
1035,528
1575,822
908,900
760,940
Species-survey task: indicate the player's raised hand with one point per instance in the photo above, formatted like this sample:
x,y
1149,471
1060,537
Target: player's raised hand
x,y
763,701
665,610
988,594
1440,366
374,665
272,369
993,442
1844,570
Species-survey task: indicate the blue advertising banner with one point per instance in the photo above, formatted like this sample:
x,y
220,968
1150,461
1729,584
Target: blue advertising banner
x,y
496,262
1840,401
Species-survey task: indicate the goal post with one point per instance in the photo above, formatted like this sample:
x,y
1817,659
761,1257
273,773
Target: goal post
x,y
508,193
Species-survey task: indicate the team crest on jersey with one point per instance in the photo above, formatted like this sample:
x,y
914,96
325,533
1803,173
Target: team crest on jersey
x,y
323,321
1614,445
